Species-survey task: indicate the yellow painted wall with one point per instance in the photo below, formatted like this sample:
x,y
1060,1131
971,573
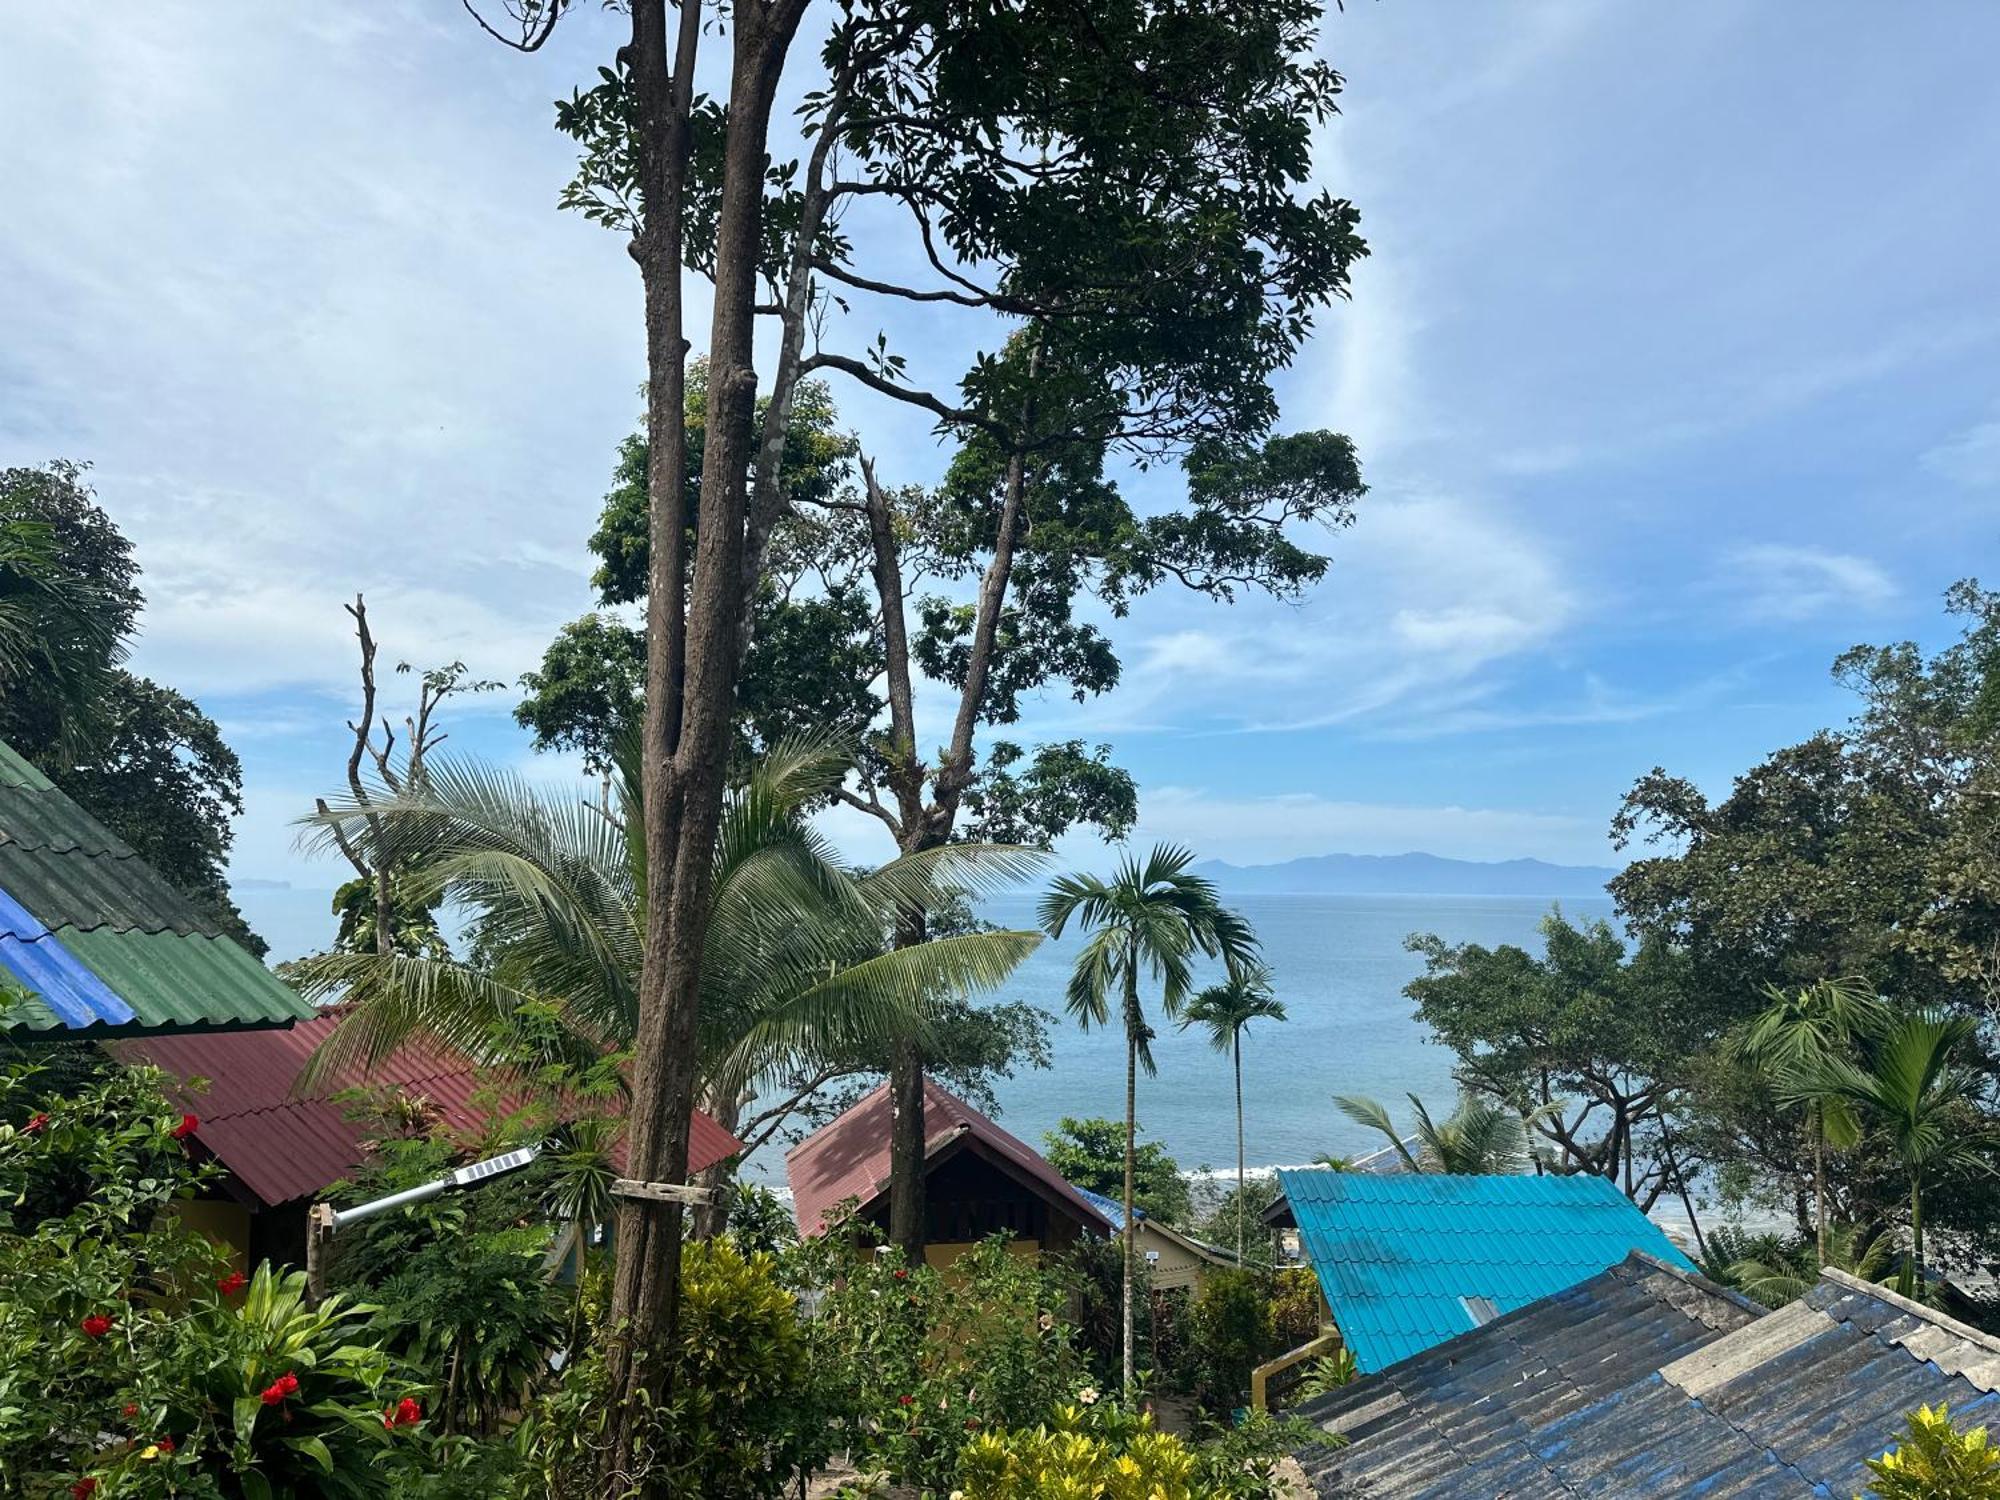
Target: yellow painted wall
x,y
939,1257
228,1224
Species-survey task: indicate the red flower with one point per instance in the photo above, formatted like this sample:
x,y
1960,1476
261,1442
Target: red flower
x,y
233,1282
906,1400
186,1128
84,1488
902,1275
388,1416
288,1382
131,1409
408,1413
97,1325
36,1124
166,1445
273,1393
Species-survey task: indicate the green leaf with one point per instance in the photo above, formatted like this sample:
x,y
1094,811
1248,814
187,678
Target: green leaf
x,y
314,1449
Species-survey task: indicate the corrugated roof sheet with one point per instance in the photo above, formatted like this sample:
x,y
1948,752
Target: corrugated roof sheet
x,y
849,1157
284,1145
1395,1254
100,942
1589,1393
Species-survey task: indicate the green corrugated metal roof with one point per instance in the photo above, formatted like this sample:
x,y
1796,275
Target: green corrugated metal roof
x,y
1403,1259
100,942
15,771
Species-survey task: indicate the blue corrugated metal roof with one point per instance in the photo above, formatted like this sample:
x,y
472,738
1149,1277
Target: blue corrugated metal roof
x,y
1396,1255
55,977
1111,1208
1647,1384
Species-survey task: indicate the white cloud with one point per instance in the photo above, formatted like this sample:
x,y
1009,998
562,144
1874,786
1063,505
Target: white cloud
x,y
1773,581
1971,459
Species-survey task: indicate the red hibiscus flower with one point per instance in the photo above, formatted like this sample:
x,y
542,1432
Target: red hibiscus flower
x,y
906,1400
130,1409
408,1413
97,1325
166,1445
84,1488
35,1126
233,1282
280,1388
902,1275
187,1127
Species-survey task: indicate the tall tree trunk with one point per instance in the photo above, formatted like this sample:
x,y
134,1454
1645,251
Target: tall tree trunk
x,y
906,1127
1819,1179
1236,1047
1131,1217
1907,1282
692,660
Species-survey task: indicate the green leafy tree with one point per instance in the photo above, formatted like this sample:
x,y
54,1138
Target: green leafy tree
x,y
1595,1051
142,759
1777,1272
1147,923
1913,1087
1866,852
1475,1140
1225,1011
1091,1154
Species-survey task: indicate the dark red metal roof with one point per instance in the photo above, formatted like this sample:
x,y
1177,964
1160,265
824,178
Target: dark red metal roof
x,y
283,1145
849,1157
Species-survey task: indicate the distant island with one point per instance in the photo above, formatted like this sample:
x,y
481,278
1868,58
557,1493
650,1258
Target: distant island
x,y
1407,875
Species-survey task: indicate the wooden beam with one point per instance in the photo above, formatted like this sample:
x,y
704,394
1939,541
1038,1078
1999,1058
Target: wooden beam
x,y
661,1192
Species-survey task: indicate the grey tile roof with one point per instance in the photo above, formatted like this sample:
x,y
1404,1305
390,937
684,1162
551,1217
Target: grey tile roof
x,y
1647,1381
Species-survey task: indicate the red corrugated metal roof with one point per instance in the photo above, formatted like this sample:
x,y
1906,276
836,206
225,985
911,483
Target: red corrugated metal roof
x,y
284,1146
849,1157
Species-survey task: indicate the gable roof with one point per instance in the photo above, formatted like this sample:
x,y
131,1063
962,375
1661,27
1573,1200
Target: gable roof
x,y
283,1146
100,943
849,1157
1560,1401
1400,1256
1114,1215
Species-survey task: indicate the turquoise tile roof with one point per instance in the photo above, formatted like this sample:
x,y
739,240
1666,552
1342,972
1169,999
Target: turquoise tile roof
x,y
1397,1256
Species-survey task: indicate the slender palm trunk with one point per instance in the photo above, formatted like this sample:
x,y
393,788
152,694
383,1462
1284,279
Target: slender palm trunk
x,y
1131,1241
1819,1178
1236,1047
1907,1282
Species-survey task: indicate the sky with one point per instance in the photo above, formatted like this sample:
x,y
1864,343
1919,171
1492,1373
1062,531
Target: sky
x,y
1672,371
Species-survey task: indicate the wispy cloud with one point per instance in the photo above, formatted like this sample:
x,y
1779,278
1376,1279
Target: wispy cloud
x,y
1775,581
1971,459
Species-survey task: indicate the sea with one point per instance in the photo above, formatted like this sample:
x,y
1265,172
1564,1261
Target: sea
x,y
1339,963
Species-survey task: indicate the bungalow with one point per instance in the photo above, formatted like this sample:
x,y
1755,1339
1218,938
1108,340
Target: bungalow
x,y
1409,1260
978,1179
94,943
280,1147
1177,1260
1646,1382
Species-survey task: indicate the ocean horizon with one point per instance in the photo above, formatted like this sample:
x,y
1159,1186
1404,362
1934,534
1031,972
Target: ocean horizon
x,y
1338,962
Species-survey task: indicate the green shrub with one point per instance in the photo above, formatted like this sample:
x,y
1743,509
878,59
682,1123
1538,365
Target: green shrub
x,y
133,1362
1234,1332
923,1361
1937,1462
1103,1452
746,1418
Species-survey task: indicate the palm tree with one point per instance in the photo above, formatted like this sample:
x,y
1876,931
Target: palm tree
x,y
1226,1009
1477,1140
1801,1030
798,982
1922,1100
1149,919
1781,1273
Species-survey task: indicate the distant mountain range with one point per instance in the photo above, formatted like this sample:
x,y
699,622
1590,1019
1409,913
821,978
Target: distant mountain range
x,y
1407,875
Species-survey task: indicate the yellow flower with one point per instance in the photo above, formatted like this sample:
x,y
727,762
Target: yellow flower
x,y
151,1450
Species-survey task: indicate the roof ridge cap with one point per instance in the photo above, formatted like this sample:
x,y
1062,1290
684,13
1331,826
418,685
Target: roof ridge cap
x,y
1910,1305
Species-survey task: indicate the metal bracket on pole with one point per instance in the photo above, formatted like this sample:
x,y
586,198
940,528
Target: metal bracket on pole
x,y
662,1192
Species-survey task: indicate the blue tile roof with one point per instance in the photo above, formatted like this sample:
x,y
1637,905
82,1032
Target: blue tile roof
x,y
1395,1255
36,957
1647,1382
1111,1208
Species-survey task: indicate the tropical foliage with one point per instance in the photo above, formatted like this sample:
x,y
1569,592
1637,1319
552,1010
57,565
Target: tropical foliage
x,y
1935,1461
1475,1138
1226,1011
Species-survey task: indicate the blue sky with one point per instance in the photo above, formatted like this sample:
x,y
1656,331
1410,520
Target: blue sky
x,y
1673,373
